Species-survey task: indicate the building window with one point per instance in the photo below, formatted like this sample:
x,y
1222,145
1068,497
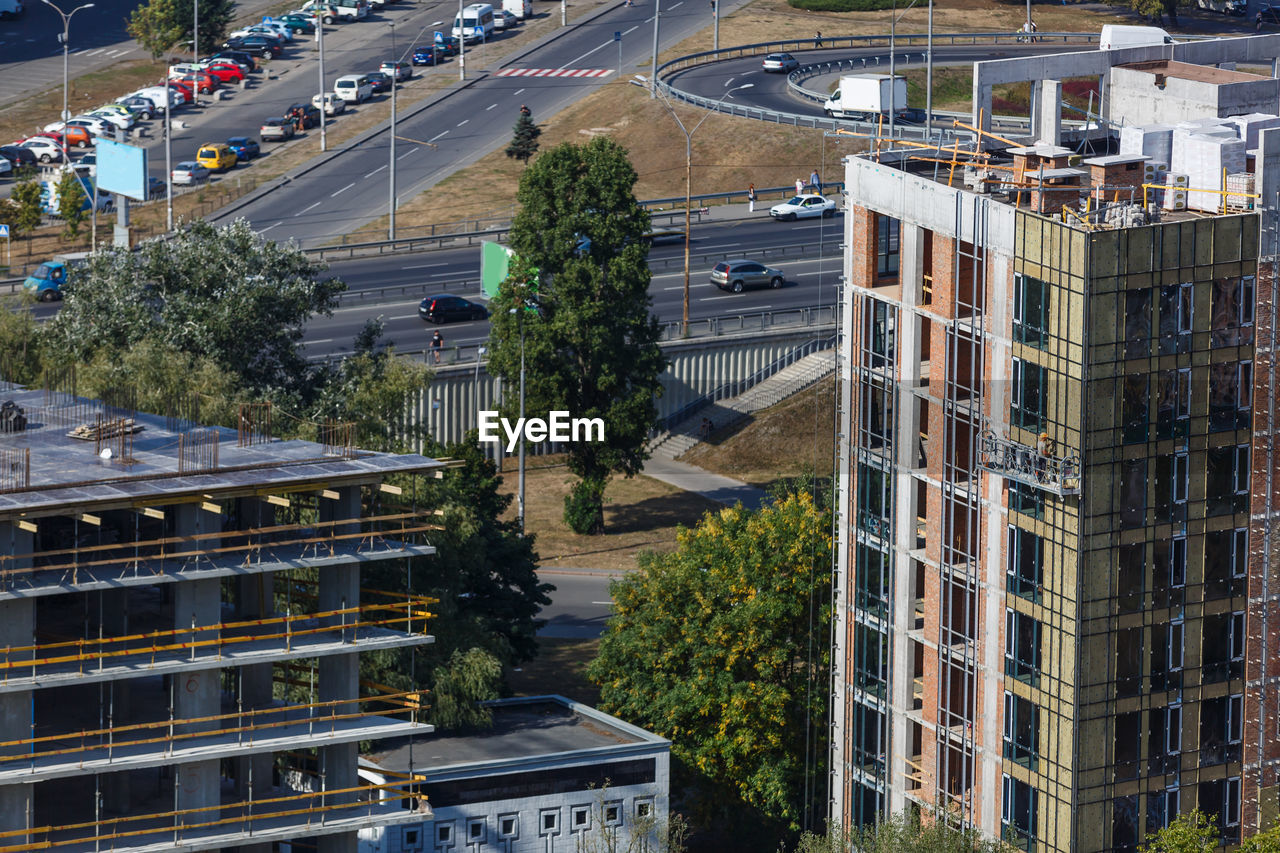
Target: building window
x,y
888,238
509,826
580,818
1164,740
876,423
444,834
1026,563
1230,395
1222,648
1220,729
476,830
1167,642
1018,812
1021,730
871,659
1134,409
644,808
1124,823
870,738
549,822
1227,480
613,813
1169,572
1220,798
1173,403
873,500
872,587
1137,323
1133,493
1131,577
1162,807
1176,309
1028,395
1226,560
1173,480
1128,740
879,332
1024,499
1030,310
1231,323
411,838
1022,650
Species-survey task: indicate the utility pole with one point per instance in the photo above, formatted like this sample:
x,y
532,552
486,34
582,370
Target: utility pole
x,y
462,44
653,70
715,16
928,79
893,81
168,159
195,34
320,40
66,36
395,84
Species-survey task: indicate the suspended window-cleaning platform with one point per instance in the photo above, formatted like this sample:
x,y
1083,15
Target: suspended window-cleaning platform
x,y
1027,465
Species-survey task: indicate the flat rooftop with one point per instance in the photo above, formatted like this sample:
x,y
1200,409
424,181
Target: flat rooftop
x,y
522,729
64,471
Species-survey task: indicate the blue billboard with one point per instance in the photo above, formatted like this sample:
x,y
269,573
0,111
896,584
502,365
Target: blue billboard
x,y
122,169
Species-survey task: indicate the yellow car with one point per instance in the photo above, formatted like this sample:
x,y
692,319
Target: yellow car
x,y
216,157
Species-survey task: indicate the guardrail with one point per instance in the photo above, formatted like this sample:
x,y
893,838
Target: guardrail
x,y
471,356
680,63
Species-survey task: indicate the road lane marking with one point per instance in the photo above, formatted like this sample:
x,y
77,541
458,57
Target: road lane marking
x,y
516,92
491,106
437,136
632,30
376,171
269,227
406,154
344,189
602,602
464,121
305,209
426,266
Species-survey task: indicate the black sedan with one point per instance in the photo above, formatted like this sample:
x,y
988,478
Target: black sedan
x,y
263,46
379,81
443,308
18,156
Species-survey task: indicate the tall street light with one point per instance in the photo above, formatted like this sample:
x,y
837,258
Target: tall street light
x,y
66,35
688,180
395,84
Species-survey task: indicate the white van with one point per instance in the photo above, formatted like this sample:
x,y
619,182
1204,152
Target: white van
x,y
1118,35
475,23
522,9
353,88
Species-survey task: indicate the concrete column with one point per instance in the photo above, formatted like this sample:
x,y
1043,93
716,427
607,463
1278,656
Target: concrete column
x,y
981,107
199,693
1047,100
254,602
17,628
339,674
114,608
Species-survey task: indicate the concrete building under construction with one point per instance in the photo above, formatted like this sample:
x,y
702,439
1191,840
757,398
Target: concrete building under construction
x,y
182,615
1057,603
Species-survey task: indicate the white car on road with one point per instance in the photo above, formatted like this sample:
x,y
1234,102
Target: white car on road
x,y
331,104
189,172
804,207
45,149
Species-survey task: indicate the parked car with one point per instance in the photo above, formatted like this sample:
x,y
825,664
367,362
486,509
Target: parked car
x,y
189,172
143,108
96,126
428,54
18,156
121,121
443,308
379,82
448,46
216,156
259,30
264,46
804,207
45,149
780,62
73,136
183,92
305,114
244,147
355,88
45,283
299,23
87,165
327,12
278,129
329,102
6,167
504,20
156,95
400,70
156,187
248,62
228,73
204,82
737,275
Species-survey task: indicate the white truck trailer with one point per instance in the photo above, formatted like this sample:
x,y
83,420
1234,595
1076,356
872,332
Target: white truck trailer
x,y
867,95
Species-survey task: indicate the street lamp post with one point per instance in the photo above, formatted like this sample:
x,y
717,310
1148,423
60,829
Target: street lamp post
x,y
688,184
66,35
320,43
395,84
519,312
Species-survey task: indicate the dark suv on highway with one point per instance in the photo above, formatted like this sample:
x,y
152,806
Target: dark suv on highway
x,y
443,308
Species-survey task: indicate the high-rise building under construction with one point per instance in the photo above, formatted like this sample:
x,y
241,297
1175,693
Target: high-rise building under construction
x,y
1057,603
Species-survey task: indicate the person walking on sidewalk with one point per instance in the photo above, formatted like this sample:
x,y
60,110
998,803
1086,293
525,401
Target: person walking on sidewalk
x,y
437,345
799,186
817,39
751,198
815,180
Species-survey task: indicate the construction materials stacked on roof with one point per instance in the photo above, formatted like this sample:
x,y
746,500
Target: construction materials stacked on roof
x,y
1204,154
1154,141
1248,127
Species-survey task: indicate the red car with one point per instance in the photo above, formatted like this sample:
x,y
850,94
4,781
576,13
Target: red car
x,y
182,90
203,81
227,73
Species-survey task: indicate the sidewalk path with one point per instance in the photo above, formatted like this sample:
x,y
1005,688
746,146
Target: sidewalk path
x,y
714,487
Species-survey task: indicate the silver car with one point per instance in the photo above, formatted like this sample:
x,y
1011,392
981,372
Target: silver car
x,y
738,275
188,172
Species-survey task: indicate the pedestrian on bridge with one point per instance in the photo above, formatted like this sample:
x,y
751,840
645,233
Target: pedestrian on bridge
x,y
817,39
815,180
751,198
799,186
437,344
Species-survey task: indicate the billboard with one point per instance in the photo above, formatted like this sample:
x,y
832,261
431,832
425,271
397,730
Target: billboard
x,y
122,169
495,261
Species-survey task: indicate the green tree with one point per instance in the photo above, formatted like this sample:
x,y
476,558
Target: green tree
x,y
524,142
905,833
221,293
460,687
1190,832
1157,9
592,346
1267,841
21,355
71,196
721,646
160,25
30,211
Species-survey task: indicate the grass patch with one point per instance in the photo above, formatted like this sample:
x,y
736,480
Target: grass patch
x,y
85,92
780,443
841,5
640,514
560,667
952,87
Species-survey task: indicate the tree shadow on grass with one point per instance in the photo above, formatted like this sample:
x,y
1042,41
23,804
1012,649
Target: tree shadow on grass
x,y
657,512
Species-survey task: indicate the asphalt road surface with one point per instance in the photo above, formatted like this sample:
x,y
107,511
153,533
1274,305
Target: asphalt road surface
x,y
580,604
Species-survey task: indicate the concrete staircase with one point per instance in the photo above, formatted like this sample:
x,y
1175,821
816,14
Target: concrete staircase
x,y
791,379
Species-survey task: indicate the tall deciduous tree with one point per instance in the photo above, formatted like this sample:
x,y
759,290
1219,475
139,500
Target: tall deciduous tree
x,y
218,292
71,211
159,25
27,217
592,347
721,646
524,141
1193,832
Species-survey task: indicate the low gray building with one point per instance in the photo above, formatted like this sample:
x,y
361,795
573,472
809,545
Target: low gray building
x,y
550,775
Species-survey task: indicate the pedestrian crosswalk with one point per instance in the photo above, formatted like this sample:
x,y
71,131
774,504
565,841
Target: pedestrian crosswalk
x,y
554,72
